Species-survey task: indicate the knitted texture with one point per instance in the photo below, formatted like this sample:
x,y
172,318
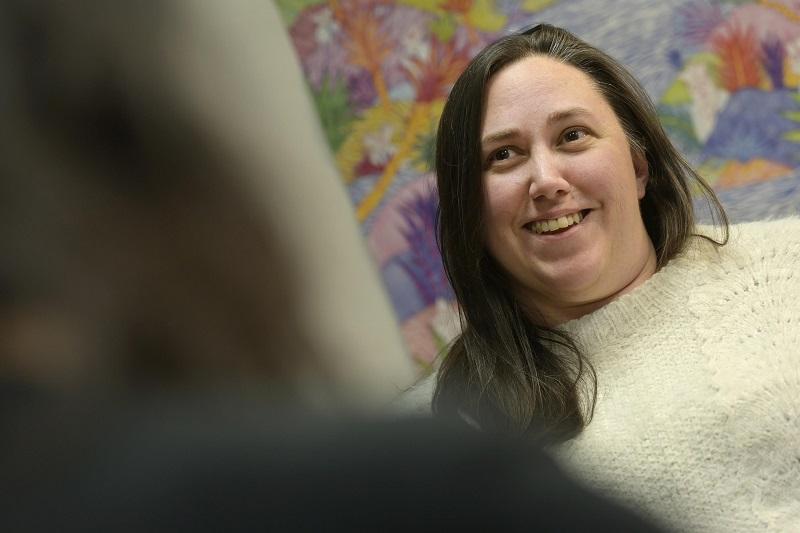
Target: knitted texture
x,y
697,420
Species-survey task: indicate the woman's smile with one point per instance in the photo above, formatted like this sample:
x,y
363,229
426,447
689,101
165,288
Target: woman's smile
x,y
556,225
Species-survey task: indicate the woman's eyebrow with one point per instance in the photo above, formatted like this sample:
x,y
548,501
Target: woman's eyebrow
x,y
552,118
501,135
572,112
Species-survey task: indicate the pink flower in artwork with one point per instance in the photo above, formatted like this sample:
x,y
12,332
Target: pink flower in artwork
x,y
433,76
767,20
360,89
379,147
407,30
416,43
697,20
378,150
327,27
318,39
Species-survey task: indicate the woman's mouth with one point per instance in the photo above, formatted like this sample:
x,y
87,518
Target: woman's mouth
x,y
554,226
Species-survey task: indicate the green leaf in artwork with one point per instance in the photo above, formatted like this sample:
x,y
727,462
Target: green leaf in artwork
x,y
432,6
677,94
793,136
425,151
532,6
334,111
443,27
290,9
485,16
677,121
792,115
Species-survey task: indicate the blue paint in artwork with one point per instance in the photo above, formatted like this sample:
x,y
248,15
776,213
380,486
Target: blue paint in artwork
x,y
752,125
416,277
773,55
771,199
423,263
676,59
696,21
641,39
403,293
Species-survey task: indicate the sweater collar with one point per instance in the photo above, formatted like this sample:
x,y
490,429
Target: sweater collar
x,y
640,309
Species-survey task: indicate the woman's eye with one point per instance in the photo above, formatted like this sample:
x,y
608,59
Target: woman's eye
x,y
574,135
501,155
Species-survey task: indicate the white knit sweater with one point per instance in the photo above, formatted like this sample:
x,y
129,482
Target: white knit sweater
x,y
697,421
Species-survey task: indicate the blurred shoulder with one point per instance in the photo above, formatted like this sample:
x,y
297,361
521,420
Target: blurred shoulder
x,y
417,399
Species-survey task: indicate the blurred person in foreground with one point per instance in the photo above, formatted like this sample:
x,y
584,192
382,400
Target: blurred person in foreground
x,y
155,374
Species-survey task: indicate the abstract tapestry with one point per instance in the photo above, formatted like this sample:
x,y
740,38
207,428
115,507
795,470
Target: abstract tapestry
x,y
724,75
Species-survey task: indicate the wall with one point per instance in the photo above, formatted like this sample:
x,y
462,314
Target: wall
x,y
724,75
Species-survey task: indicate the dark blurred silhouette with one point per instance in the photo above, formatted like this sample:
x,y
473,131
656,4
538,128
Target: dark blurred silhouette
x,y
131,244
209,465
154,373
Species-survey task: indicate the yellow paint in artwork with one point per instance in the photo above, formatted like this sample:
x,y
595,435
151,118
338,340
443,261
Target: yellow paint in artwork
x,y
444,28
791,78
736,173
677,94
485,16
416,124
366,44
536,5
793,136
435,111
782,8
423,5
765,82
351,152
710,171
712,63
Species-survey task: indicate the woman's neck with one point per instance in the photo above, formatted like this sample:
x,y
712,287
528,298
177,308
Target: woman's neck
x,y
559,313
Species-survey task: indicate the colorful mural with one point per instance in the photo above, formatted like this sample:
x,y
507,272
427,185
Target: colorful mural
x,y
724,74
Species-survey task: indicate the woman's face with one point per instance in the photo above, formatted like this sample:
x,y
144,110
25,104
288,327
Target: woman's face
x,y
561,190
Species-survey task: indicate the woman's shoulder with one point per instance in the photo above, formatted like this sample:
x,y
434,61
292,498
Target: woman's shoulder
x,y
417,399
761,241
759,260
768,233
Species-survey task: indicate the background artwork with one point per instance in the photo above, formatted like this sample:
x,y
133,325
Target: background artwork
x,y
724,75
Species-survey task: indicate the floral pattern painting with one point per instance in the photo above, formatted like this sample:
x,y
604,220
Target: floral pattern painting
x,y
724,75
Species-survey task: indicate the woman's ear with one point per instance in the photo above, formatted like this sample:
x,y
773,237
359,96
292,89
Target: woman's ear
x,y
641,170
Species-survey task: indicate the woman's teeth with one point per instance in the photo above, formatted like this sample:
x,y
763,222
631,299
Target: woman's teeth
x,y
554,224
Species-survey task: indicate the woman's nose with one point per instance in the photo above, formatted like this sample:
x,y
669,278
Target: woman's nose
x,y
547,180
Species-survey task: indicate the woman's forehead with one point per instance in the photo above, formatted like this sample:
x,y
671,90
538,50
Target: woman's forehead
x,y
542,88
539,74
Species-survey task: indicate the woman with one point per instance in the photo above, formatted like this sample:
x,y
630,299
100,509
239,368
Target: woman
x,y
594,309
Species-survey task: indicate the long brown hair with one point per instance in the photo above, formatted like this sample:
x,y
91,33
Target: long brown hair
x,y
504,370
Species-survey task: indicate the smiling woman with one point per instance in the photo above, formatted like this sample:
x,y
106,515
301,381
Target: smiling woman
x,y
541,127
561,153
662,365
